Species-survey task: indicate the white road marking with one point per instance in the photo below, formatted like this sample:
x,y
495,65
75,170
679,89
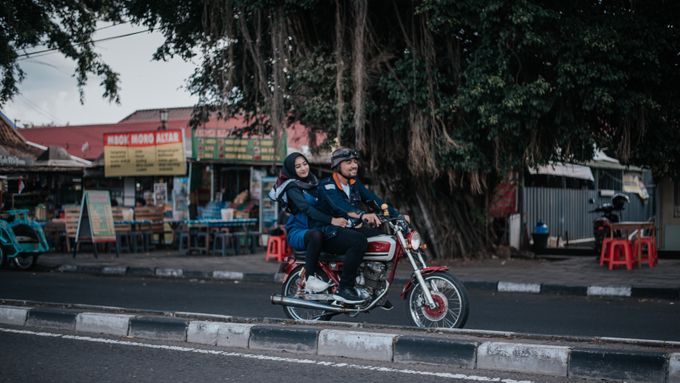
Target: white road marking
x,y
476,378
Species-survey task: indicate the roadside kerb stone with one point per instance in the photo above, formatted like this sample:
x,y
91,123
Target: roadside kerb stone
x,y
103,323
234,335
52,318
512,287
674,368
438,351
68,268
609,291
114,270
203,332
220,334
539,359
298,340
354,344
13,315
607,364
158,328
169,273
141,271
231,275
655,293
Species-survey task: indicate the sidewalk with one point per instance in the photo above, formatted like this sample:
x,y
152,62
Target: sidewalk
x,y
575,275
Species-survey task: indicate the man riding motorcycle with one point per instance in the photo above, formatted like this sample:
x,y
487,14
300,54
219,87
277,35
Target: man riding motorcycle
x,y
342,194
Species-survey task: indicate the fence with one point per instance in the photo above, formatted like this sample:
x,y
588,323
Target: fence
x,y
566,211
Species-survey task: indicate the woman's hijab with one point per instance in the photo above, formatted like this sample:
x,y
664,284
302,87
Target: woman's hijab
x,y
288,173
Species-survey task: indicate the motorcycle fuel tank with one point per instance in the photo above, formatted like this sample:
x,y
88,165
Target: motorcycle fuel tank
x,y
381,248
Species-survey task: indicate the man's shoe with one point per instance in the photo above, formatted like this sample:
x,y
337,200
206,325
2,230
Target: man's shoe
x,y
348,295
314,284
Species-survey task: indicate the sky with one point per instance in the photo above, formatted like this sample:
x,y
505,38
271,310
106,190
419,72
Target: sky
x,y
49,93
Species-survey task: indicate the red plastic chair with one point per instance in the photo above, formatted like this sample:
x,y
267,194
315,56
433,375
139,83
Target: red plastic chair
x,y
604,253
649,256
620,252
277,248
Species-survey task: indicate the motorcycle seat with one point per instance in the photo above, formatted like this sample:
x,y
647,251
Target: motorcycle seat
x,y
301,255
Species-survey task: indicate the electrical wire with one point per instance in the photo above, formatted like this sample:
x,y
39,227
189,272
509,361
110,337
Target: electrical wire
x,y
28,55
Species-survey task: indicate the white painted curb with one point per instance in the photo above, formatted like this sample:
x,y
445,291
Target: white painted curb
x,y
113,324
13,315
227,275
175,273
203,332
234,335
674,368
539,359
353,344
512,287
609,291
66,268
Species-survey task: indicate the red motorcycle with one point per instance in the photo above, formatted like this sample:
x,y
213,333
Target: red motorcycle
x,y
435,298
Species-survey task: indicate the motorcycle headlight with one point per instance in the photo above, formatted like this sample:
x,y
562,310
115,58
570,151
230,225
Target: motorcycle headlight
x,y
415,240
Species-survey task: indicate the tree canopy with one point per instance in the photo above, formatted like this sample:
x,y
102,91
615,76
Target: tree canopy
x,y
66,26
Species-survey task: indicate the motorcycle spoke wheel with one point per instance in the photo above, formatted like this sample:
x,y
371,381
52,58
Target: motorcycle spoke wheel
x,y
25,262
291,288
451,303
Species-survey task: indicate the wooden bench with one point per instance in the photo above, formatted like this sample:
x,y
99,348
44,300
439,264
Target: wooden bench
x,y
71,217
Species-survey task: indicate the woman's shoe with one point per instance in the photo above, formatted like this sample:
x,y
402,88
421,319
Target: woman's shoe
x,y
314,284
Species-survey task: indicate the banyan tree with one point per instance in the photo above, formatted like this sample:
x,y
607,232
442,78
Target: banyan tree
x,y
444,99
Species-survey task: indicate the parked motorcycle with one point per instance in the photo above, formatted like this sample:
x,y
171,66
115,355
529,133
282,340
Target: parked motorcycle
x,y
22,240
601,224
434,297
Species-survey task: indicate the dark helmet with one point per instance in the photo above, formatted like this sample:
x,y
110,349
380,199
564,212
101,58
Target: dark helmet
x,y
342,154
619,200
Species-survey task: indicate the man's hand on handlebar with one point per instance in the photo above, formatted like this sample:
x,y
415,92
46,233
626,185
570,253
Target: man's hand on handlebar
x,y
371,219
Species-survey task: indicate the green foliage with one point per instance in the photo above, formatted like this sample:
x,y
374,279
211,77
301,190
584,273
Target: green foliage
x,y
66,26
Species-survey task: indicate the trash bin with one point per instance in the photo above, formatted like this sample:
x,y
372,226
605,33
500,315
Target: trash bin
x,y
540,236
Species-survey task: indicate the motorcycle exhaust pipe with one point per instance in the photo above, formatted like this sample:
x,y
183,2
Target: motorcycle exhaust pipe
x,y
278,299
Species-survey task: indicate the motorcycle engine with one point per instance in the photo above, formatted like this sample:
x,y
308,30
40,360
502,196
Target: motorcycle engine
x,y
372,276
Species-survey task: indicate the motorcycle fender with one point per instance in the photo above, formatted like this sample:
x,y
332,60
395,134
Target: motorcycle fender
x,y
426,271
287,267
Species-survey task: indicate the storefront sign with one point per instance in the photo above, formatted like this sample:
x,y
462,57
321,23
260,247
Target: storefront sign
x,y
95,223
154,153
216,144
13,161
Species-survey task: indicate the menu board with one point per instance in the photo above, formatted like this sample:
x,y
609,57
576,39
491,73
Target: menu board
x,y
144,153
216,144
96,219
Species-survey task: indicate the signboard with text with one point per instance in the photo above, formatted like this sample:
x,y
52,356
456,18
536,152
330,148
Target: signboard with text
x,y
216,144
95,223
155,153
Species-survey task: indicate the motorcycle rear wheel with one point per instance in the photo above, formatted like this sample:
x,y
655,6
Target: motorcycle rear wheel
x,y
25,262
450,296
291,288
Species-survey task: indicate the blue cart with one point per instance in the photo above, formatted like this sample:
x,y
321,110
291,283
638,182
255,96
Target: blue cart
x,y
22,240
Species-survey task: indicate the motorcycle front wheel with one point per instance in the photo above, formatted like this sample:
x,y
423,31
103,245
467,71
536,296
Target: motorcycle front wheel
x,y
291,288
451,302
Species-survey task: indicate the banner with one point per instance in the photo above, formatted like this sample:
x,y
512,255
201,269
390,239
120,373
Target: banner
x,y
156,153
216,144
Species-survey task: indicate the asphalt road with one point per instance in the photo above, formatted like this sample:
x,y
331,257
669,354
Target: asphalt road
x,y
543,314
37,357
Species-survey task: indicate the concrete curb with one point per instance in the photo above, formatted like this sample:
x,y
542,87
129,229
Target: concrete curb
x,y
497,286
596,362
